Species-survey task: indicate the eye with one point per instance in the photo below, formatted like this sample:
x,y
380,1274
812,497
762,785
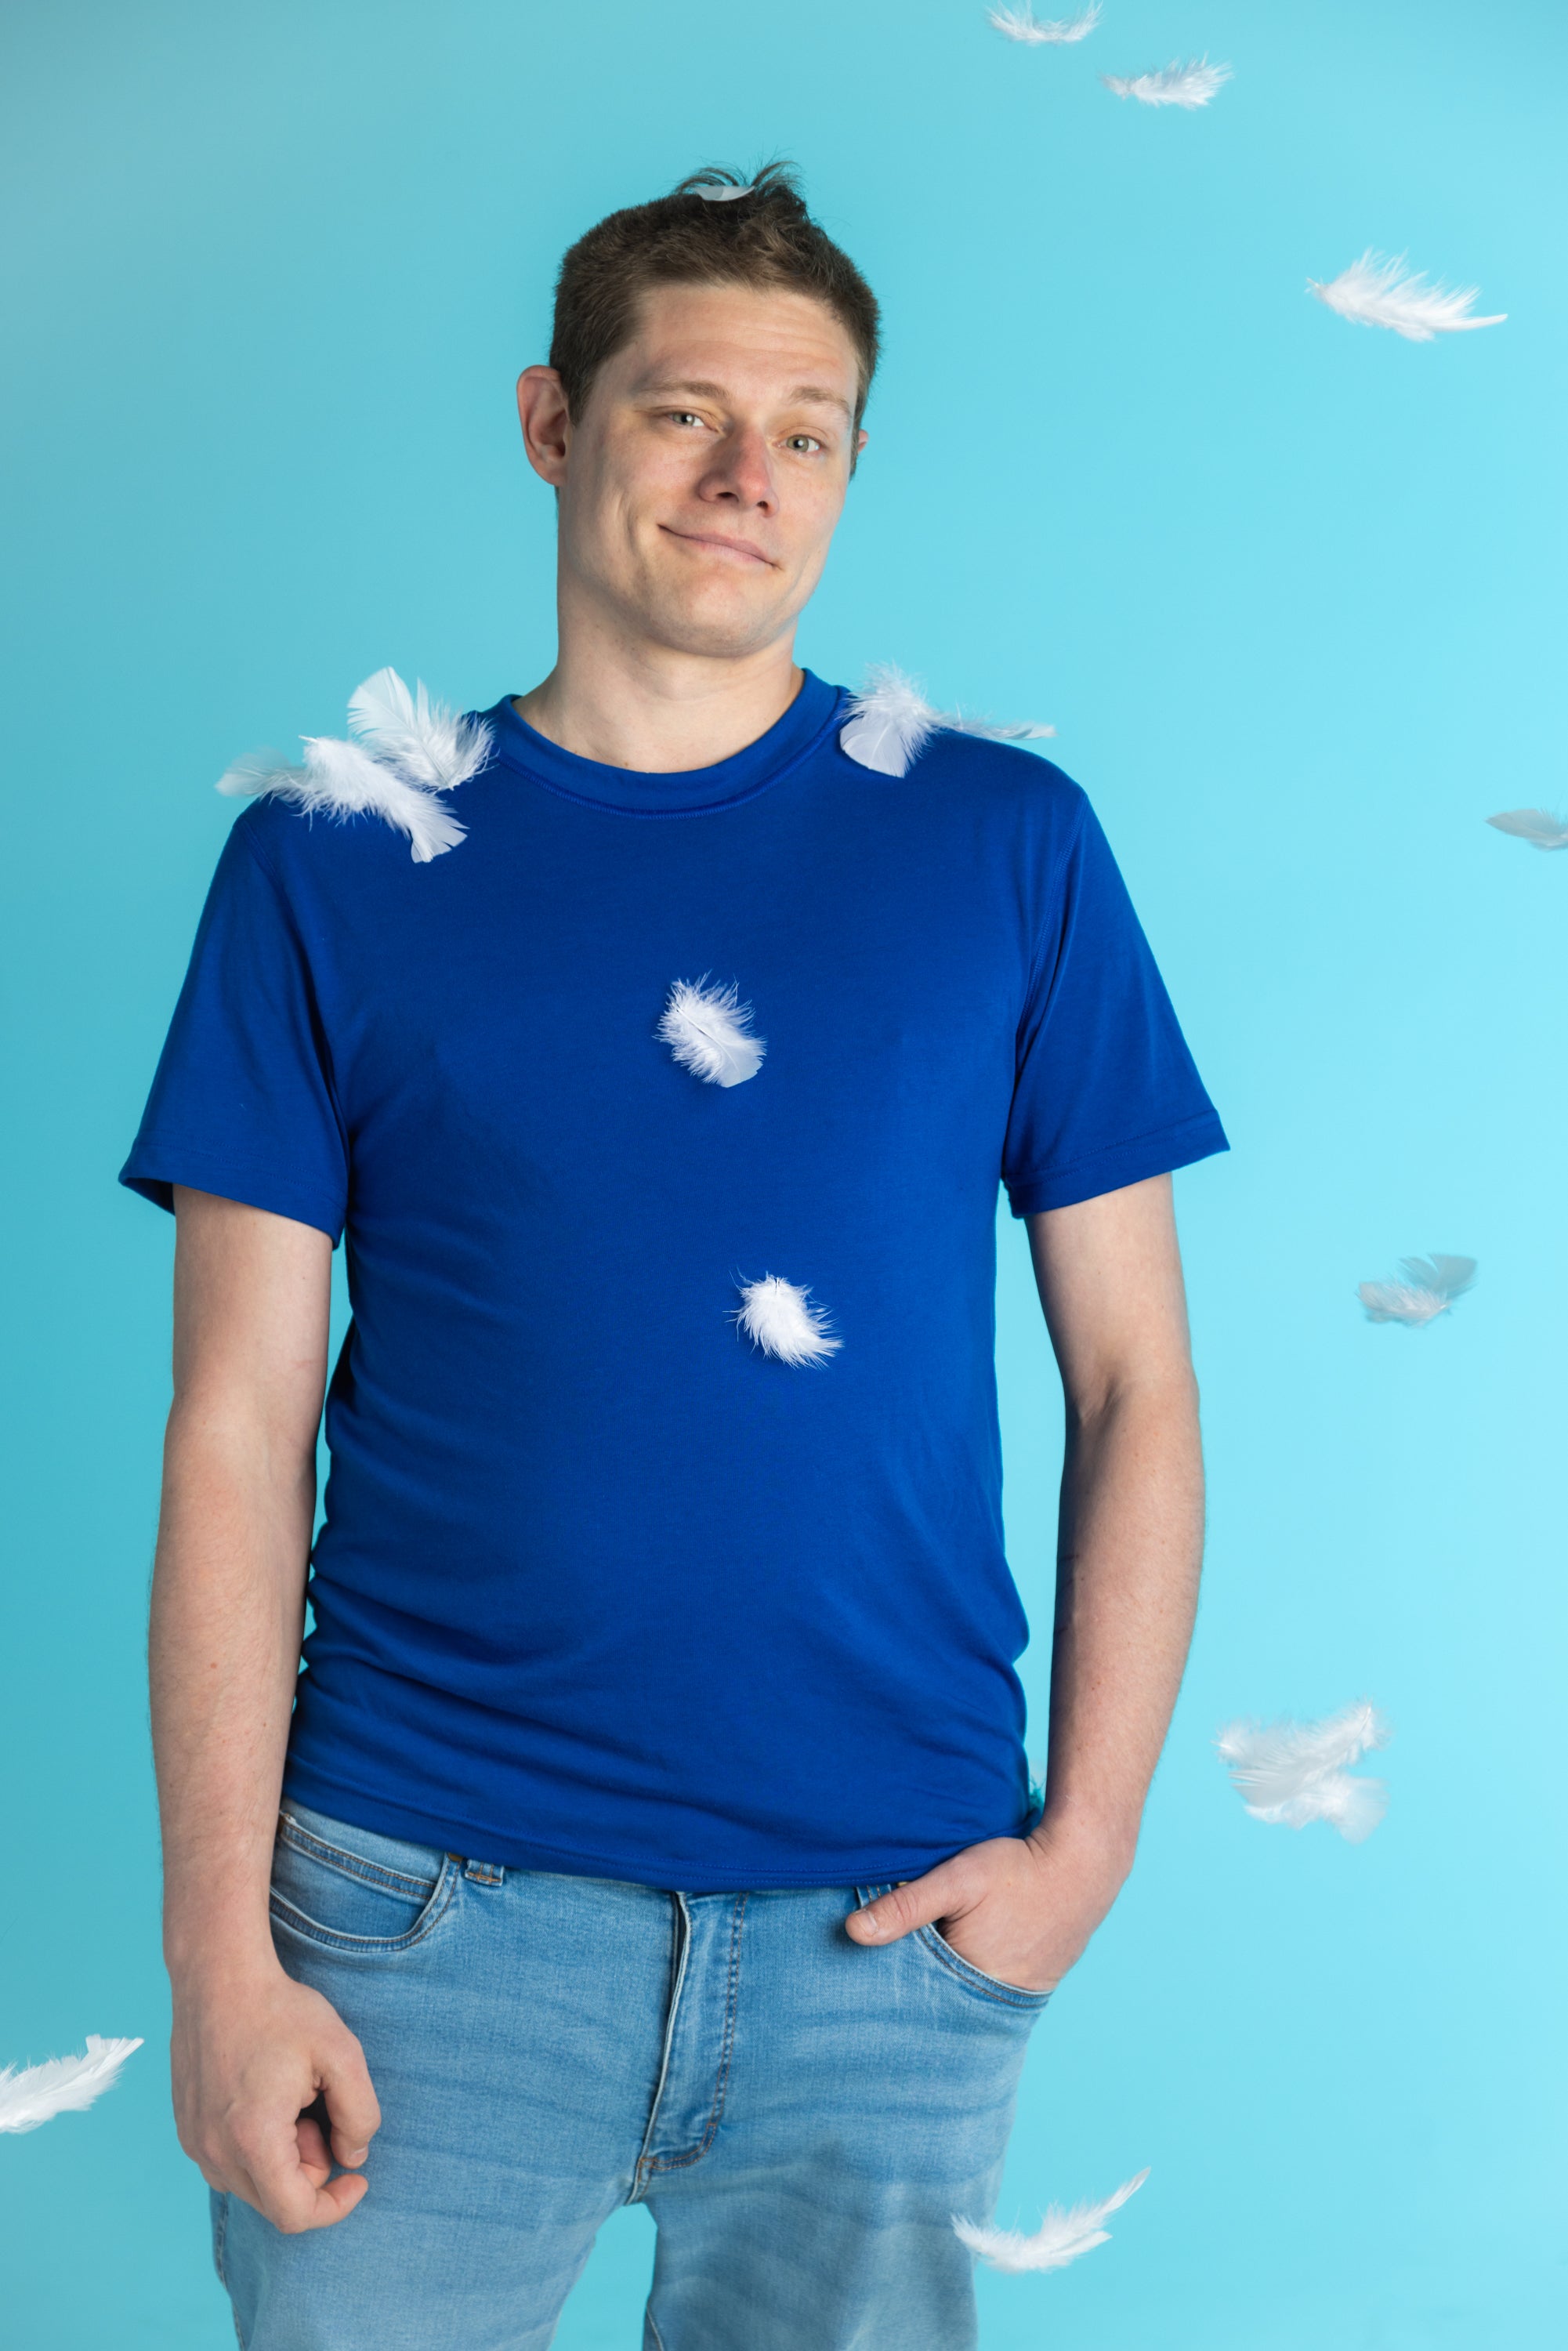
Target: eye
x,y
684,416
805,440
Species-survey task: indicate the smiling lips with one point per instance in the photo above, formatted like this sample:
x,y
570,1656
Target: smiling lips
x,y
738,547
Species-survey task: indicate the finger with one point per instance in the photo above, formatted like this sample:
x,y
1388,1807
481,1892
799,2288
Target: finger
x,y
296,2197
352,2106
315,2155
919,1904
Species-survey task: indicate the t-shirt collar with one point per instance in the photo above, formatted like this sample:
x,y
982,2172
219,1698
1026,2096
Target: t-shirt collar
x,y
688,791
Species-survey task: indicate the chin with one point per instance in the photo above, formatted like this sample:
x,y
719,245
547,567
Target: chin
x,y
718,628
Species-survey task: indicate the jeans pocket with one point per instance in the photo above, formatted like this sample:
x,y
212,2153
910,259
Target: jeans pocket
x,y
976,1980
351,1889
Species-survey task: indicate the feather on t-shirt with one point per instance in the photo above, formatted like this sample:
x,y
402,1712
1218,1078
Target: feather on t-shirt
x,y
604,1584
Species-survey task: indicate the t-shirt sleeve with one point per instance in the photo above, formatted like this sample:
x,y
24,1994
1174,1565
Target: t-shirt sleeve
x,y
243,1102
1106,1091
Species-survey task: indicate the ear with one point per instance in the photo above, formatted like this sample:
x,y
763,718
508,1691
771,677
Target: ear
x,y
547,427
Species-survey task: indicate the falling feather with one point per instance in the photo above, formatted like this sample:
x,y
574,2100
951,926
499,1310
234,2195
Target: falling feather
x,y
1424,1288
1061,2236
430,744
1021,24
890,722
1289,1773
705,1028
1191,85
1538,826
343,780
1374,292
781,1320
61,2085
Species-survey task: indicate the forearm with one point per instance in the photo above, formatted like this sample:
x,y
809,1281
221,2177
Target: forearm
x,y
228,1596
1131,1547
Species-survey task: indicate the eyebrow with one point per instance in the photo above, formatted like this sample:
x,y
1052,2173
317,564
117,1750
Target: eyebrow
x,y
811,394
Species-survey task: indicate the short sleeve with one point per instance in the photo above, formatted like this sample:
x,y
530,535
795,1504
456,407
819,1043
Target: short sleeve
x,y
243,1102
1106,1091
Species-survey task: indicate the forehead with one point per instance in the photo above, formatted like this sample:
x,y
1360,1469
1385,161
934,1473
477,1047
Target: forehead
x,y
763,342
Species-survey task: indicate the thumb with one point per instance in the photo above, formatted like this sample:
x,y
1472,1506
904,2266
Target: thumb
x,y
351,2102
919,1904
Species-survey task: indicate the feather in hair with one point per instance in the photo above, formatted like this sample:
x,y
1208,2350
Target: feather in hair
x,y
779,1317
1062,2235
1191,85
1021,24
890,722
1538,826
1289,1773
1373,292
705,1028
61,2085
430,744
1425,1288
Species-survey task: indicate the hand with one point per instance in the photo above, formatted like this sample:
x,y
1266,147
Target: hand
x,y
1020,1908
249,2054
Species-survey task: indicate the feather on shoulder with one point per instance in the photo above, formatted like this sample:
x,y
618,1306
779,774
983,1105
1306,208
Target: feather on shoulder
x,y
890,723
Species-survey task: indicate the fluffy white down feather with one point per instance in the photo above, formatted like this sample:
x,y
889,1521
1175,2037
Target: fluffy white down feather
x,y
890,722
705,1028
1289,1773
1061,2236
780,1317
1191,85
1373,292
1021,24
1425,1288
1540,826
61,2085
410,751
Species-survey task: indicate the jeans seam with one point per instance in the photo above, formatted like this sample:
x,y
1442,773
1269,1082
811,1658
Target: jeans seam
x,y
684,2162
305,1841
654,2328
372,1946
645,2160
988,1987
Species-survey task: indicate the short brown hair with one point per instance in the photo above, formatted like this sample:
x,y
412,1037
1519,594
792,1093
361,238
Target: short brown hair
x,y
763,237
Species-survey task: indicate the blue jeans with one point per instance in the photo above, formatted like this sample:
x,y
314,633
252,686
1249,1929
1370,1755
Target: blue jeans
x,y
801,2116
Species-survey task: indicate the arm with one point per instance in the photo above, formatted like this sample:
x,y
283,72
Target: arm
x,y
1130,1544
250,2047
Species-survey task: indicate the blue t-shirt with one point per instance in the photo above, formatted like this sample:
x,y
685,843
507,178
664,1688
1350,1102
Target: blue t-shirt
x,y
603,1587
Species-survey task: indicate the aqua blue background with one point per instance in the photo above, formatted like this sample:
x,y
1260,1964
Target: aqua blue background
x,y
1292,593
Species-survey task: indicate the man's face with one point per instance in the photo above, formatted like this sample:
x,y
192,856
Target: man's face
x,y
701,484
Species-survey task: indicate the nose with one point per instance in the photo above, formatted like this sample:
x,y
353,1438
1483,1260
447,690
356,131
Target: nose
x,y
741,474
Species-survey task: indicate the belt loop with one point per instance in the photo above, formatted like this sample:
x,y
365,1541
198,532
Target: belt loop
x,y
482,1872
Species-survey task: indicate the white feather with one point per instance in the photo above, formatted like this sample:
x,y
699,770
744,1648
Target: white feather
x,y
1289,1773
1021,24
1538,826
1425,1286
430,744
343,780
705,1028
890,722
1061,2236
1193,84
1373,292
780,1318
61,2085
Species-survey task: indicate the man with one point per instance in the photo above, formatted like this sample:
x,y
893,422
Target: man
x,y
652,1820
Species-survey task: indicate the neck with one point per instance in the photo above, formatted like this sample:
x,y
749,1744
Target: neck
x,y
631,703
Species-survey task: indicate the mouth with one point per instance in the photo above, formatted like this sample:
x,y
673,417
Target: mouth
x,y
741,550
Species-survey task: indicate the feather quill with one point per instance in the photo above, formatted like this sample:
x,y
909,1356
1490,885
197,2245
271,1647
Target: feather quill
x,y
1289,1773
1191,85
1374,292
1425,1288
1062,2235
1538,826
705,1028
61,2085
1021,24
780,1317
890,722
